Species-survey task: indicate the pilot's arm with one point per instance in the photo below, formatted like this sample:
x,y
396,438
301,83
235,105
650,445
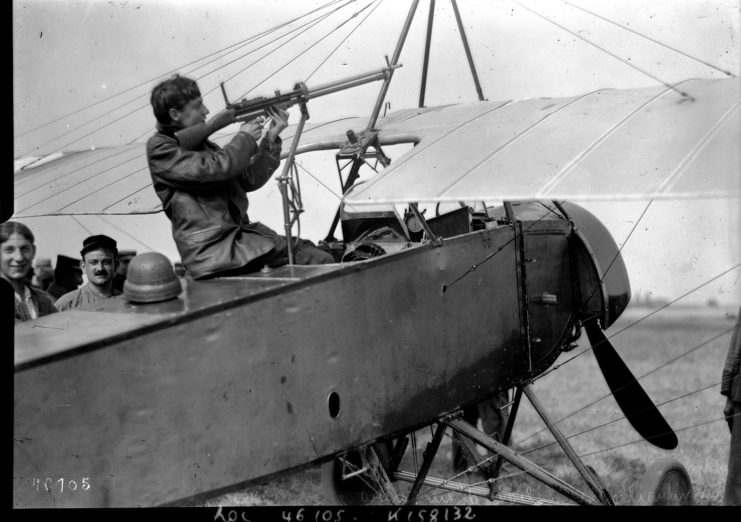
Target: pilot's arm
x,y
186,169
267,159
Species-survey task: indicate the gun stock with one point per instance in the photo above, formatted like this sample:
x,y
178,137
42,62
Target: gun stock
x,y
191,138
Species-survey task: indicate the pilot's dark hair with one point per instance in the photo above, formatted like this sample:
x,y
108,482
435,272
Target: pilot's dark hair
x,y
173,93
9,228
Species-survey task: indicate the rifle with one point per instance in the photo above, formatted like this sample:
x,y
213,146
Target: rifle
x,y
245,110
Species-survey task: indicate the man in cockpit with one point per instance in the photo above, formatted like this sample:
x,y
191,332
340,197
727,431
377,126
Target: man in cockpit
x,y
203,191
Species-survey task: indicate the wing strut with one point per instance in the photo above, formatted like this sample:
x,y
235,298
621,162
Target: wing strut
x,y
426,61
468,51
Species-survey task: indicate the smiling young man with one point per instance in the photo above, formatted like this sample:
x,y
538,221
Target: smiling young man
x,y
203,189
17,251
99,261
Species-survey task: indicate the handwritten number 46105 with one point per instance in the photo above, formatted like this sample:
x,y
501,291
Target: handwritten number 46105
x,y
50,484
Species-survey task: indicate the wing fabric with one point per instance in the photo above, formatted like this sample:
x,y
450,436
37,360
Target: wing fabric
x,y
605,145
649,143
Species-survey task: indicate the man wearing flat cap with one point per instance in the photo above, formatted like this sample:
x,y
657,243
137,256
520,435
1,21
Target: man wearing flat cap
x,y
99,262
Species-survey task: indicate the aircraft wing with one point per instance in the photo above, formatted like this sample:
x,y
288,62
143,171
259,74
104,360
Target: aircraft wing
x,y
608,144
650,143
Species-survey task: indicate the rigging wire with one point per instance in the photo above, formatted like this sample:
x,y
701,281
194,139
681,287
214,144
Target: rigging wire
x,y
361,22
83,226
475,266
641,319
650,39
239,44
319,181
672,87
568,437
327,35
240,72
619,418
667,363
136,239
319,19
146,82
625,242
311,24
147,105
643,440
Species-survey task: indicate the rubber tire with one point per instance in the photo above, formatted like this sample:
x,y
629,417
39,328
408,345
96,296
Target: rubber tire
x,y
666,483
353,491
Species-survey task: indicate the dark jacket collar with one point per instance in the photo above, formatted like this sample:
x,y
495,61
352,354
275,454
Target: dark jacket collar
x,y
167,130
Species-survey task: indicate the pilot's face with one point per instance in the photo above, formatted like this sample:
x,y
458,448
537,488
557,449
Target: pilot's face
x,y
193,113
16,256
99,266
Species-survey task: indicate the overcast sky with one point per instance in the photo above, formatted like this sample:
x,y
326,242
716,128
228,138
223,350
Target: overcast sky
x,y
69,55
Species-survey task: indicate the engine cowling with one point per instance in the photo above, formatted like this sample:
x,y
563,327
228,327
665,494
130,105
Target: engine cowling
x,y
604,285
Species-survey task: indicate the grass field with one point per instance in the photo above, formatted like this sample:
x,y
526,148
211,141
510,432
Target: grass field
x,y
682,348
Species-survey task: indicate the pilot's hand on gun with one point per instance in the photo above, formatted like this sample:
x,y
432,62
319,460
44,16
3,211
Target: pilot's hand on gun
x,y
278,121
253,128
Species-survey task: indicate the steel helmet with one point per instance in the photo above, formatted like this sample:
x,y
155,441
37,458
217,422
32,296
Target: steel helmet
x,y
150,279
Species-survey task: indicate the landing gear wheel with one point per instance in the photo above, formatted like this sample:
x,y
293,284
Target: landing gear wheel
x,y
359,477
666,483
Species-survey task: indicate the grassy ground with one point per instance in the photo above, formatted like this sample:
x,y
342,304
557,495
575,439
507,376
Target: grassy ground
x,y
615,451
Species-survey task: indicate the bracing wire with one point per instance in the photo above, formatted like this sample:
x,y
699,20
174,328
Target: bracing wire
x,y
619,418
311,24
475,266
80,223
129,89
625,242
307,49
361,22
642,71
667,363
697,425
315,178
319,19
641,319
123,231
650,39
246,42
489,458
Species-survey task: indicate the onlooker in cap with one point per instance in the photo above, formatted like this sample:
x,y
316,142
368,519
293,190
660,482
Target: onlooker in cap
x,y
17,250
67,276
43,274
99,261
124,256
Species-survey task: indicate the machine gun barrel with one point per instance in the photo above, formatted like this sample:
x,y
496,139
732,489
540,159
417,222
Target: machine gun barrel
x,y
245,110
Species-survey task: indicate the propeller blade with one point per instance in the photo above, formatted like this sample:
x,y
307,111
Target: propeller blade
x,y
637,406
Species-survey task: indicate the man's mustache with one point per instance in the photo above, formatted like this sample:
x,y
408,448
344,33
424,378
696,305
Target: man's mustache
x,y
101,273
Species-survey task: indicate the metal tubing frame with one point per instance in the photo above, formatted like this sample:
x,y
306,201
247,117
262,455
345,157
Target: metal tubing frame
x,y
479,491
392,64
284,181
421,219
467,50
426,61
429,455
592,481
510,426
522,463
